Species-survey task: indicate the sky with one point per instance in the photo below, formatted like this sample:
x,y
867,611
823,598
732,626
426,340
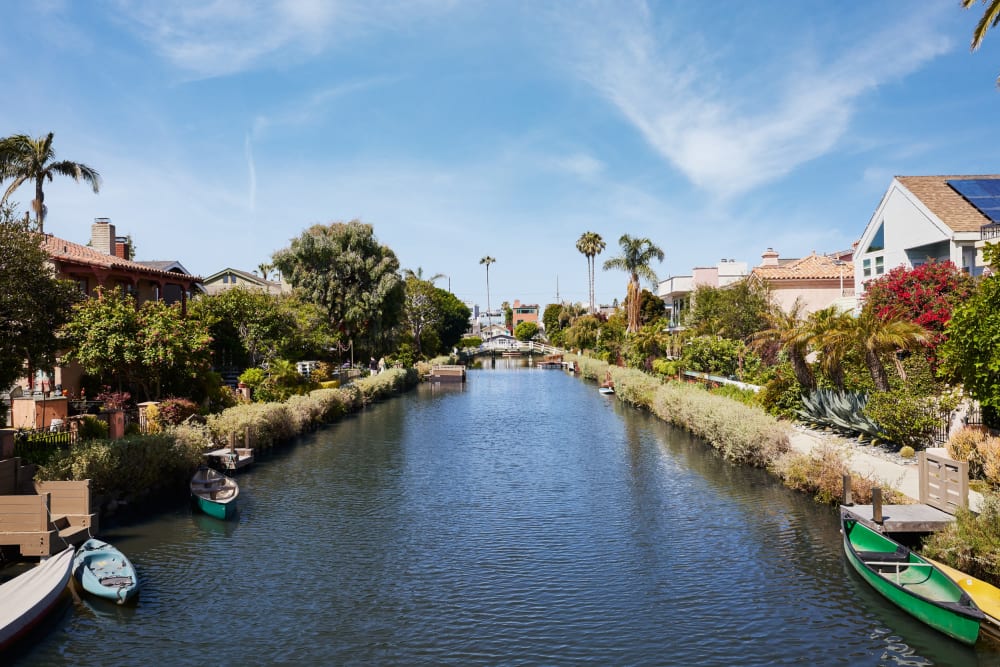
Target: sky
x,y
461,129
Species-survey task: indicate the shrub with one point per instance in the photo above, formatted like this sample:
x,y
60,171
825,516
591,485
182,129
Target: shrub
x,y
821,473
668,368
971,543
907,452
964,446
738,394
904,418
741,433
635,387
842,411
173,411
989,454
782,394
154,423
93,428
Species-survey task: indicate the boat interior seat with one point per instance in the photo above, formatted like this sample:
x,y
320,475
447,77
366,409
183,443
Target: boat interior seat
x,y
900,555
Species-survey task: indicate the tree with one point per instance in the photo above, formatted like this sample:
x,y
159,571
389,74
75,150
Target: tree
x,y
342,268
637,253
152,348
550,318
419,275
736,311
790,331
991,18
651,308
925,294
508,315
33,302
525,331
420,314
25,159
590,244
453,318
487,260
264,269
873,336
971,352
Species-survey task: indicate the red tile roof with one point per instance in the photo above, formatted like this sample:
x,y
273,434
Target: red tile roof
x,y
812,267
61,250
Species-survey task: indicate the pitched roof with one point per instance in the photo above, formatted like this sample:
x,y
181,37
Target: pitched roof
x,y
811,267
248,277
949,206
167,265
62,250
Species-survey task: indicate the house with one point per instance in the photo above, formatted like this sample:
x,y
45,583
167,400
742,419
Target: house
x,y
676,291
928,217
523,313
105,265
817,281
229,277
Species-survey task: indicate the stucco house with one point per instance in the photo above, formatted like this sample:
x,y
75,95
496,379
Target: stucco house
x,y
817,281
523,312
921,218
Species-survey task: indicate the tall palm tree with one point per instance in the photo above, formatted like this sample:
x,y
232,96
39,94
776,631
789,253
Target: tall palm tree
x,y
591,245
873,336
25,159
991,18
637,253
823,326
792,332
487,261
264,269
419,274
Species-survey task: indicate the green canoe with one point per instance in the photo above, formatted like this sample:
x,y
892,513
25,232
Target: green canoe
x,y
911,582
214,493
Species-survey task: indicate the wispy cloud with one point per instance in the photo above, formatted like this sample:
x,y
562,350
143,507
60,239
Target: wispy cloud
x,y
728,138
309,108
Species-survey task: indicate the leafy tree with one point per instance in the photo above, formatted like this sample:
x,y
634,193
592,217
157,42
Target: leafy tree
x,y
453,320
991,18
651,308
525,331
591,245
637,254
25,159
419,275
647,344
345,270
550,319
420,313
925,294
247,326
972,349
152,348
33,303
508,315
736,311
612,338
583,333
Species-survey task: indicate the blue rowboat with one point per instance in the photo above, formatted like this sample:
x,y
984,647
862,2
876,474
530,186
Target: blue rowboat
x,y
214,493
104,571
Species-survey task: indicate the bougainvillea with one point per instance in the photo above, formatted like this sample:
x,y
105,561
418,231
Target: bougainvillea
x,y
925,294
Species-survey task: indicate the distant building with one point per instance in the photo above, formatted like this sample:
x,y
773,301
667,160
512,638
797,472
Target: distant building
x,y
676,291
523,313
228,278
817,281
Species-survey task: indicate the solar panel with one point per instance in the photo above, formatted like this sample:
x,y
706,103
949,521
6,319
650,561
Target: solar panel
x,y
983,193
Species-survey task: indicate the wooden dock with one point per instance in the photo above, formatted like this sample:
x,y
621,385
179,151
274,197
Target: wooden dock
x,y
448,373
231,459
916,518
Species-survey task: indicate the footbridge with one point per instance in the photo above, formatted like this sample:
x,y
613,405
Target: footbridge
x,y
524,347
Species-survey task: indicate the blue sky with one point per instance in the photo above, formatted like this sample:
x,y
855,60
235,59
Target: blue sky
x,y
460,129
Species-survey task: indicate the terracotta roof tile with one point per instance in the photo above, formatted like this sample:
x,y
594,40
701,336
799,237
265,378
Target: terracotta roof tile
x,y
952,209
812,267
67,251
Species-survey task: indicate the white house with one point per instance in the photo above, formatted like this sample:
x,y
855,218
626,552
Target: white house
x,y
921,218
676,290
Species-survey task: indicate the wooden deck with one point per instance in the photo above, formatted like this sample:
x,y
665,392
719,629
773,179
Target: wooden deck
x,y
915,518
231,459
448,373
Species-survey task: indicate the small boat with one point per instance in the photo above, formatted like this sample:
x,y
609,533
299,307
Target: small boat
x,y
911,582
28,597
214,493
985,595
606,390
104,571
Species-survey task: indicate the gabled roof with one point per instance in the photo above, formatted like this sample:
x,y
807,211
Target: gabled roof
x,y
811,267
62,250
171,265
942,200
248,277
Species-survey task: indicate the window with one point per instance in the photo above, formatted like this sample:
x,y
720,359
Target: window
x,y
879,265
225,278
867,268
878,241
82,285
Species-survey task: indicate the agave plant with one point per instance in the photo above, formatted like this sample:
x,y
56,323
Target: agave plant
x,y
841,411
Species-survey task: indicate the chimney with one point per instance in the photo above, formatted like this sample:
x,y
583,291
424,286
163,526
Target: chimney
x,y
121,247
769,257
102,236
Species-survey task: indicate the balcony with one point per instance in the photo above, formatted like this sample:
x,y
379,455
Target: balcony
x,y
989,231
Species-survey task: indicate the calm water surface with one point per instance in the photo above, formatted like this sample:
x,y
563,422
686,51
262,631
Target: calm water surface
x,y
520,520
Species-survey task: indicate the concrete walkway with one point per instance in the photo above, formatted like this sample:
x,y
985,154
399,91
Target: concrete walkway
x,y
905,478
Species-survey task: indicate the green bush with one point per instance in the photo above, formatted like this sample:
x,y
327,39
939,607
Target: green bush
x,y
782,394
635,387
972,543
744,396
904,418
93,428
821,473
667,368
741,433
173,411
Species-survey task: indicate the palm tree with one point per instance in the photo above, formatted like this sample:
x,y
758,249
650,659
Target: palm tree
x,y
419,274
793,334
487,261
991,18
25,159
264,269
823,326
874,336
590,244
637,253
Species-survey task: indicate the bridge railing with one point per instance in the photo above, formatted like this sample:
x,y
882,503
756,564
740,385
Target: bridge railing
x,y
520,346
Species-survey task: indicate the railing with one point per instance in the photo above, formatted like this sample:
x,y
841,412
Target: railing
x,y
989,231
39,445
491,345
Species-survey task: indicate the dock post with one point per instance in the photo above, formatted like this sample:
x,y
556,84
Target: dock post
x,y
877,505
848,500
246,437
232,442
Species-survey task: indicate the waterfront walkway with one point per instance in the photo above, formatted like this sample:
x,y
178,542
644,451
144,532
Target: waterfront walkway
x,y
868,460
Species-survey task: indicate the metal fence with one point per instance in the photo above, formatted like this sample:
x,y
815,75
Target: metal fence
x,y
40,445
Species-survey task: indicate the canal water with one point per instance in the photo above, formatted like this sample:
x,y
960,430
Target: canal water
x,y
521,519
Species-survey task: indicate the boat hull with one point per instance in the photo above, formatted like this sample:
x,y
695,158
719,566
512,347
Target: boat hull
x,y
28,598
214,493
223,511
911,583
104,571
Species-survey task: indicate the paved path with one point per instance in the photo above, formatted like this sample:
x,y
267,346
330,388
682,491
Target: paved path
x,y
905,478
